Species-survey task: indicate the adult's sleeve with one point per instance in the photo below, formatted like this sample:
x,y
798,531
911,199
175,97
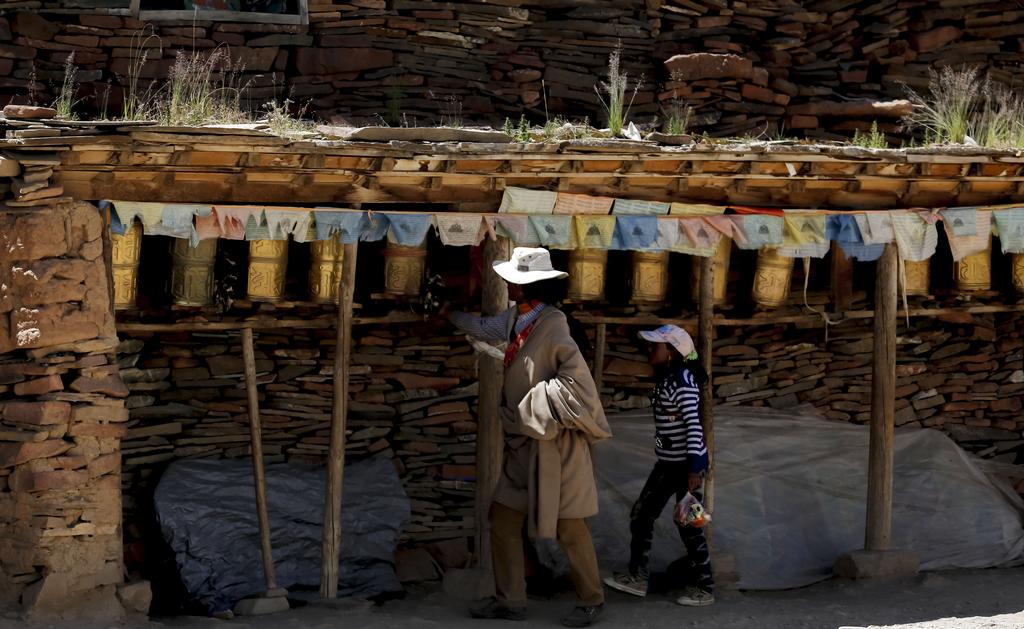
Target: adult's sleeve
x,y
567,401
491,328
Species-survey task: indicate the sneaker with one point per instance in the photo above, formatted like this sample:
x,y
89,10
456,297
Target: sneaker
x,y
492,609
583,616
696,597
628,583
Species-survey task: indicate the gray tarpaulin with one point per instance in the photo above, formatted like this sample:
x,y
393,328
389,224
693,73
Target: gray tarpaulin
x,y
207,512
790,491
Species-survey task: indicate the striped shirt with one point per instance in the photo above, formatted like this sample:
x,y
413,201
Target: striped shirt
x,y
678,434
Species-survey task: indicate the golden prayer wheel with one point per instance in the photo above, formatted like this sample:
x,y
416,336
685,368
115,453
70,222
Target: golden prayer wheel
x,y
1018,271
586,274
404,268
125,253
268,264
325,270
722,257
772,279
974,272
650,276
192,272
918,277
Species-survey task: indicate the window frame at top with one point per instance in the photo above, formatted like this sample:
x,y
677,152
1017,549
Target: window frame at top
x,y
206,15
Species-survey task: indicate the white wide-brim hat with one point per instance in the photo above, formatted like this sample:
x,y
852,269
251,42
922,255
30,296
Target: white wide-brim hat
x,y
674,336
528,265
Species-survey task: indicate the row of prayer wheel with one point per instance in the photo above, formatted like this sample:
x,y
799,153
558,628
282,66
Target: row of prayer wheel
x,y
772,278
192,273
973,273
649,279
193,280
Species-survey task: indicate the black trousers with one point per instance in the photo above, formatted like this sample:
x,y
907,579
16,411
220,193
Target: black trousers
x,y
667,479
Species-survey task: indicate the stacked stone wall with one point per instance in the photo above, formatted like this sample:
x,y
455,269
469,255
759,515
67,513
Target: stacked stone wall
x,y
62,415
785,68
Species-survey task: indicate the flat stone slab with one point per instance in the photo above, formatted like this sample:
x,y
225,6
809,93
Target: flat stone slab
x,y
136,596
28,112
874,564
426,134
261,606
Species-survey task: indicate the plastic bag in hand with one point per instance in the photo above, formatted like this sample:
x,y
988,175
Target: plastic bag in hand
x,y
690,512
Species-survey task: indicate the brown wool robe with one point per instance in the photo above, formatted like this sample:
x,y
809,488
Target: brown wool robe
x,y
552,415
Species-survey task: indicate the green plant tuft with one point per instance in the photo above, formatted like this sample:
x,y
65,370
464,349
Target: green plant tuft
x,y
140,101
65,102
518,132
615,106
963,106
945,113
874,139
205,89
283,124
677,117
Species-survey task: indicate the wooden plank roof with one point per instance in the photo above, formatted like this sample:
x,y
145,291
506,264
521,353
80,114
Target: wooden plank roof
x,y
176,165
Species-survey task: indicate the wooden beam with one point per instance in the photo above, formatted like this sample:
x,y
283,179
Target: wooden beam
x,y
331,550
397,318
222,16
842,280
705,339
256,443
489,439
600,345
775,319
878,528
393,318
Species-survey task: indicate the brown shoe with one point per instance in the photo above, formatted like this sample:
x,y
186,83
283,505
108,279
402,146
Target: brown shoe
x,y
490,608
583,616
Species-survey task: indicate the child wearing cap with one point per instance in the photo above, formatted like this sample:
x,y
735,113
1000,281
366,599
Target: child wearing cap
x,y
682,461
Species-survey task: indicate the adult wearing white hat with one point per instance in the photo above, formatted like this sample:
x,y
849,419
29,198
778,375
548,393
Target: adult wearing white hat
x,y
551,415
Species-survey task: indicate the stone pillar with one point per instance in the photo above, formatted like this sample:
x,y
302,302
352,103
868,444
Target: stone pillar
x,y
62,416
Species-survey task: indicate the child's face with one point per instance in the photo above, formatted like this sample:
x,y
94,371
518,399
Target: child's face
x,y
659,353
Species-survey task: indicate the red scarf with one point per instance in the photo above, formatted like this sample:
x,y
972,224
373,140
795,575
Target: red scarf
x,y
513,348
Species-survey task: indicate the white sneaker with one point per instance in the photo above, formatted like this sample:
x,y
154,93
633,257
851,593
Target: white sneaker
x,y
695,597
625,582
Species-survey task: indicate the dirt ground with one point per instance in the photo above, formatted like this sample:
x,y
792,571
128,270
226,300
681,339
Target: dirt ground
x,y
967,599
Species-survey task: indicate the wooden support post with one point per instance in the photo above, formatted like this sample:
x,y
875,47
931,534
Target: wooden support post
x,y
842,280
705,338
256,441
883,402
331,551
600,344
489,439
